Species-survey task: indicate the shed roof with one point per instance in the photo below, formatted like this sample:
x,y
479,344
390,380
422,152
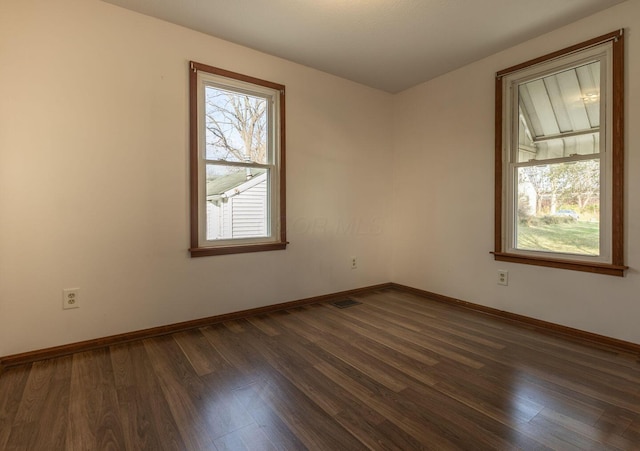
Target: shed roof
x,y
220,186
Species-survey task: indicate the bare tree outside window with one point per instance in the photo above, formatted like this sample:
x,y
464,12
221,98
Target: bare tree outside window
x,y
236,126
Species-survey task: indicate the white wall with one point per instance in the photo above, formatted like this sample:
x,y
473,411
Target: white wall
x,y
443,194
93,183
93,178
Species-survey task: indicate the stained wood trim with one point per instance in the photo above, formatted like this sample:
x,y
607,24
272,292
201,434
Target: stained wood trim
x,y
540,325
195,250
245,248
553,55
283,168
59,351
617,232
498,167
596,268
616,267
543,326
193,154
235,75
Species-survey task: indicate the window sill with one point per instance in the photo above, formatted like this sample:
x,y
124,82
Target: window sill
x,y
224,250
598,268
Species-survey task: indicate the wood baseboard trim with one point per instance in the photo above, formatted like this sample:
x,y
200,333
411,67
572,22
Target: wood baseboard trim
x,y
59,351
543,326
540,325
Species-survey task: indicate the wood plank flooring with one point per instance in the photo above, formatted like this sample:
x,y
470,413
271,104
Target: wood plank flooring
x,y
397,372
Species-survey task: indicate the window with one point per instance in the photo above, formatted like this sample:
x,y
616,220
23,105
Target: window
x,y
559,159
237,180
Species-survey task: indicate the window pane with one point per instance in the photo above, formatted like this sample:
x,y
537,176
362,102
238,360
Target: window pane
x,y
559,115
237,202
559,208
236,126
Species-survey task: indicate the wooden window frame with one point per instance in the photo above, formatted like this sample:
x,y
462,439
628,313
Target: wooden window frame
x,y
616,265
277,239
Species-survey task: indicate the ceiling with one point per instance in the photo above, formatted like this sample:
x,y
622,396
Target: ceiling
x,y
390,45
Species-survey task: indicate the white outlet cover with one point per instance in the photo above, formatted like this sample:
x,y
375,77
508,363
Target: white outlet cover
x,y
503,277
70,298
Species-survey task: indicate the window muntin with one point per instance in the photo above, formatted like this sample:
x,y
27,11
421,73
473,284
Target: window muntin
x,y
237,163
559,159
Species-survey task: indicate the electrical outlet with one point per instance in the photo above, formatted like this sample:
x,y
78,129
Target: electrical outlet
x,y
503,277
354,263
71,298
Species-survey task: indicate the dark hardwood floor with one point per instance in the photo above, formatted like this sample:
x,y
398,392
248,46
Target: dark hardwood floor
x,y
396,372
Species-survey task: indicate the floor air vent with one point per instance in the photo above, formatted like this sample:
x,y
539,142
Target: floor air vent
x,y
346,303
